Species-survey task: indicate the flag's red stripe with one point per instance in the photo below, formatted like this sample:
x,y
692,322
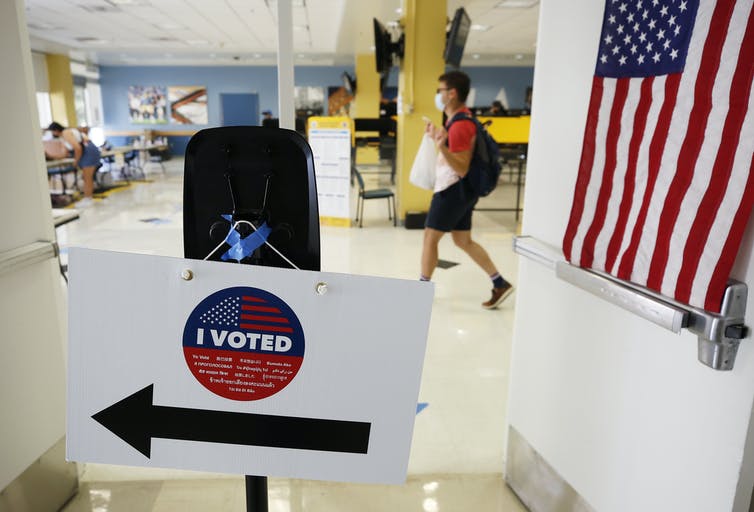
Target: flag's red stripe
x,y
247,298
611,161
273,319
656,149
713,197
259,327
692,143
585,167
263,309
713,301
629,182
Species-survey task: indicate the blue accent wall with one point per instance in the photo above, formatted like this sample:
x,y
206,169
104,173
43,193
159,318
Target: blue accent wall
x,y
488,80
115,80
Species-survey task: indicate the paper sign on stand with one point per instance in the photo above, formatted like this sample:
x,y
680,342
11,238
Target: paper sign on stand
x,y
241,369
331,139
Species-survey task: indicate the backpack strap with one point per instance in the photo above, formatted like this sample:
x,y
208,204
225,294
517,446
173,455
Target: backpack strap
x,y
461,116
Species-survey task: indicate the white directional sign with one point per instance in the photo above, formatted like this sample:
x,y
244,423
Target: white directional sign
x,y
241,369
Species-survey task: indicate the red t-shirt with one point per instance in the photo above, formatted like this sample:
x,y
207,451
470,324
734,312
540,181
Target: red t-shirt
x,y
461,133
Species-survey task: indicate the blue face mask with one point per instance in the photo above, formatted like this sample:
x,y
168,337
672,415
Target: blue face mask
x,y
438,102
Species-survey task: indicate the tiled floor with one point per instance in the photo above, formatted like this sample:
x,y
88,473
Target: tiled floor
x,y
457,455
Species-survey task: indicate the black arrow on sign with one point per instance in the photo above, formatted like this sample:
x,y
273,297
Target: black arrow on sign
x,y
136,420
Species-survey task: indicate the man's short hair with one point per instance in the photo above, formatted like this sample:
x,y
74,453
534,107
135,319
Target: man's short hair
x,y
56,127
459,81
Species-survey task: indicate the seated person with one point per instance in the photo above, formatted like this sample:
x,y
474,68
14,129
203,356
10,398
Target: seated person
x,y
85,154
496,109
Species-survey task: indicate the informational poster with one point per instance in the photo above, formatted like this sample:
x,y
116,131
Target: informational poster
x,y
241,369
188,104
330,139
147,104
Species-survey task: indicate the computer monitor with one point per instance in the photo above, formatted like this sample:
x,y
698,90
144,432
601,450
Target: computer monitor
x,y
456,38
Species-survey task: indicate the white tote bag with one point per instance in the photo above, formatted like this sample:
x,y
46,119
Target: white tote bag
x,y
423,171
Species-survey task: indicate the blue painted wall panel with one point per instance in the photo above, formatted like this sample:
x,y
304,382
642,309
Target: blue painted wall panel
x,y
115,80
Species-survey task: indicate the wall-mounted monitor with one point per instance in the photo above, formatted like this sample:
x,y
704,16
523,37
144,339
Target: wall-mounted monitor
x,y
456,38
385,50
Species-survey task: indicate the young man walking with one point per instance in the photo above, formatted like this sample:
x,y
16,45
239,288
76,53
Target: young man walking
x,y
454,199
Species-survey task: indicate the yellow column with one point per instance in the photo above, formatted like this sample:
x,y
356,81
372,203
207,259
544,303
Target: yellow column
x,y
61,90
367,102
424,27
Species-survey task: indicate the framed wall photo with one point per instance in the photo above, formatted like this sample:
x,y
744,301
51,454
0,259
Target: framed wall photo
x,y
188,104
147,104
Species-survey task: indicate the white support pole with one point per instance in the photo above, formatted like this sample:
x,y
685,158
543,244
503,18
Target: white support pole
x,y
286,110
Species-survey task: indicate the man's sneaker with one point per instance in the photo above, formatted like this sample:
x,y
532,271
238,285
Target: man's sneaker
x,y
498,296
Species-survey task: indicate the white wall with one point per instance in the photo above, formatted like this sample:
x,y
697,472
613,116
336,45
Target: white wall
x,y
32,380
619,407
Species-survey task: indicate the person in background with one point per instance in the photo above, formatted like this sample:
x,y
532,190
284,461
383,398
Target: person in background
x,y
496,109
268,121
85,154
454,199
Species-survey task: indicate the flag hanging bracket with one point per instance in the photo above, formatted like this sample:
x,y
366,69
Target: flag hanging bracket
x,y
719,333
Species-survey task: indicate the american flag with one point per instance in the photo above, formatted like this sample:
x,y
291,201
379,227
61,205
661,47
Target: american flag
x,y
664,188
248,313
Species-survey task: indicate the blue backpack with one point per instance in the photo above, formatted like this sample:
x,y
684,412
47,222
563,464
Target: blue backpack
x,y
484,170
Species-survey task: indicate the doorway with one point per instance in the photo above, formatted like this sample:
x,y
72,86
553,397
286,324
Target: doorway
x,y
239,109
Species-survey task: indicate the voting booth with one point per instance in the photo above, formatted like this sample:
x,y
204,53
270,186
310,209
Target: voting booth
x,y
244,357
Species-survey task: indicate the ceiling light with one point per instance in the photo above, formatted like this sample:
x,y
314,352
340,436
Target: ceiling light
x,y
257,55
90,40
515,4
475,56
519,56
480,28
168,26
399,11
197,42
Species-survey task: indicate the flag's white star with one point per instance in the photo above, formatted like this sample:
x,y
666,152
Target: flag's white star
x,y
634,49
616,49
674,54
611,19
664,11
649,47
643,37
620,29
656,57
636,27
655,2
677,30
627,39
622,8
671,21
666,44
645,14
641,59
652,24
638,4
622,60
660,34
683,7
630,18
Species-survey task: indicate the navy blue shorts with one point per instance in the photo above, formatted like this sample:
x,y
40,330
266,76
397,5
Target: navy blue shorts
x,y
90,156
451,209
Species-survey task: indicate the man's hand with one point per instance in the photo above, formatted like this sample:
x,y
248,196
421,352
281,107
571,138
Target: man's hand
x,y
437,134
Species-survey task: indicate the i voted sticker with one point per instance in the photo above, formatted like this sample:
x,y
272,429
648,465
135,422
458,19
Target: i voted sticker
x,y
243,343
